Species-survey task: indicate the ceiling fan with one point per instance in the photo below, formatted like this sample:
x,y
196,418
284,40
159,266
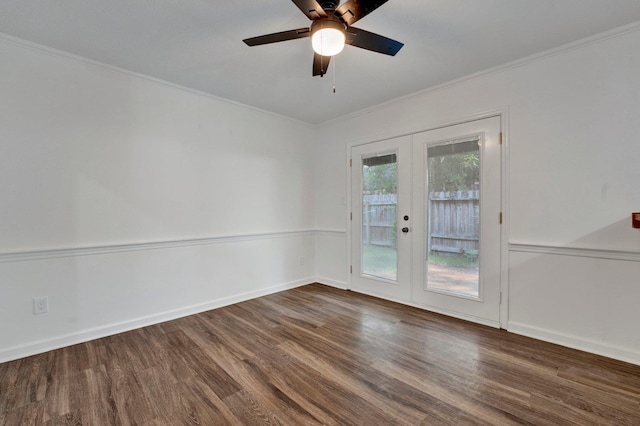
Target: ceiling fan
x,y
331,29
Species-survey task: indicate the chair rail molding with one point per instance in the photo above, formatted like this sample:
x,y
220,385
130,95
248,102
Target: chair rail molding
x,y
154,245
623,255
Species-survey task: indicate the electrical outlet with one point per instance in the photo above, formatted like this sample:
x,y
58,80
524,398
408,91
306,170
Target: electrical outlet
x,y
41,305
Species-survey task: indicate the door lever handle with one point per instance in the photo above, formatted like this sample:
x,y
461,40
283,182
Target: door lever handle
x,y
405,230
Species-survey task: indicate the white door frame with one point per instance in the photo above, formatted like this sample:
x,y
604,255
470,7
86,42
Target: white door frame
x,y
503,113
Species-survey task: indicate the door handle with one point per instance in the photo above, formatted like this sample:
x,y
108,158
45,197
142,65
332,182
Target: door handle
x,y
405,230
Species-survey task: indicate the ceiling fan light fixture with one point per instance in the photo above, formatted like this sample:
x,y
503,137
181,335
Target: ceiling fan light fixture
x,y
327,37
331,28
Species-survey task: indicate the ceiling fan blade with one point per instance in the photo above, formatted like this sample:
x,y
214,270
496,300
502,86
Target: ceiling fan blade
x,y
354,10
276,37
311,8
320,64
374,42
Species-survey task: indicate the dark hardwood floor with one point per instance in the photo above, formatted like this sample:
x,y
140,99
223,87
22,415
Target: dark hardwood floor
x,y
318,355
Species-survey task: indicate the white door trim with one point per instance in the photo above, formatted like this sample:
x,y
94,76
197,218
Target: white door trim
x,y
503,113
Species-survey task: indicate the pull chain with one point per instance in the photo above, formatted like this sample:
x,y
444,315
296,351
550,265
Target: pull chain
x,y
334,74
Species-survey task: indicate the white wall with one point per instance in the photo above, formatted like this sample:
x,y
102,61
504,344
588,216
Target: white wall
x,y
574,180
129,201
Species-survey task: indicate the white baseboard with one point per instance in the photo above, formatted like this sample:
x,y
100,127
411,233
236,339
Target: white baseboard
x,y
82,336
37,347
332,283
575,342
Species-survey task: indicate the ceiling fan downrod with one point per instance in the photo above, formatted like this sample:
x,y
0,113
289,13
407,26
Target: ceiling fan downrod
x,y
329,4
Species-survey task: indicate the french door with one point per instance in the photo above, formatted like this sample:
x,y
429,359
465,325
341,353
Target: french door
x,y
381,196
425,220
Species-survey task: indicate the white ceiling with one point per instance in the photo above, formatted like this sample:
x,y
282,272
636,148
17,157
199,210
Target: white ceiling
x,y
198,44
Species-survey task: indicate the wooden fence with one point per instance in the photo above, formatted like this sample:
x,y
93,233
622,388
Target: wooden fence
x,y
453,220
379,219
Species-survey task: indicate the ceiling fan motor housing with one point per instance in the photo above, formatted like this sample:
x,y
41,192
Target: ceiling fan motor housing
x,y
331,21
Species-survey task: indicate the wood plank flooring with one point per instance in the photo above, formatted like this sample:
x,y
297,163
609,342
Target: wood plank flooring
x,y
318,356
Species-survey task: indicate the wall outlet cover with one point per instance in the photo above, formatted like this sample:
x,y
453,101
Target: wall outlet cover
x,y
41,305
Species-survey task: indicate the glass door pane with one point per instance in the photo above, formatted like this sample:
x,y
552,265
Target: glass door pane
x,y
453,218
379,216
380,212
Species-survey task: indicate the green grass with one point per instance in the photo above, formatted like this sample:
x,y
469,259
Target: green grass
x,y
455,260
380,261
383,260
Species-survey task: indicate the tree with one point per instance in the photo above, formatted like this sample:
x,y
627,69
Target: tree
x,y
380,179
454,172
